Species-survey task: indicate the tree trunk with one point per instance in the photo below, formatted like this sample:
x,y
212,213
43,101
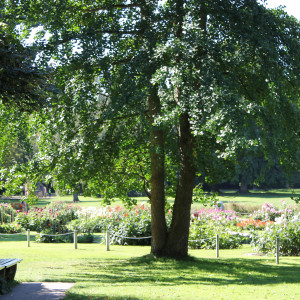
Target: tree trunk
x,y
177,245
243,187
215,188
75,197
158,219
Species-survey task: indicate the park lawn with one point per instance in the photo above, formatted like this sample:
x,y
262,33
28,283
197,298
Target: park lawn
x,y
129,272
94,202
258,198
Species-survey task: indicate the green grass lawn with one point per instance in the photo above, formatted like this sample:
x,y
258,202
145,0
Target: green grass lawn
x,y
129,272
255,198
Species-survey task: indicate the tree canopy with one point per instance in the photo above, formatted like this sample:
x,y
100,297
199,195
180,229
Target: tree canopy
x,y
22,84
153,93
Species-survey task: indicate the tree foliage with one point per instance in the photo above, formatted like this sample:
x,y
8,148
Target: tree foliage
x,y
22,84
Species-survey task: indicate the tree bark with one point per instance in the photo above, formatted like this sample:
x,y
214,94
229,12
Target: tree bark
x,y
157,155
158,219
177,245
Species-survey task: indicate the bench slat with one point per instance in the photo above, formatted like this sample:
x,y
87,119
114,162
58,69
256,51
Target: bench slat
x,y
6,263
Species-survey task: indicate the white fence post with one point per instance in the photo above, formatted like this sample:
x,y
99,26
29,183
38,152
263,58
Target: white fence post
x,y
107,240
277,250
217,246
75,239
28,237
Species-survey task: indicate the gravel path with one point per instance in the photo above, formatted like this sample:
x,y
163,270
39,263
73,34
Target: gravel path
x,y
38,291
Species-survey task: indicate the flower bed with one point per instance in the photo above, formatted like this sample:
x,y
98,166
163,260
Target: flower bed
x,y
7,212
288,232
53,216
269,212
130,226
251,224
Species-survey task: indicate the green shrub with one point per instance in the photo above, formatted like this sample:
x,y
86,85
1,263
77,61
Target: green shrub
x,y
86,238
87,225
54,234
127,227
11,228
48,237
203,236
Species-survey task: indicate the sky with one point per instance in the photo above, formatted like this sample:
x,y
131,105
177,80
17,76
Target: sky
x,y
292,6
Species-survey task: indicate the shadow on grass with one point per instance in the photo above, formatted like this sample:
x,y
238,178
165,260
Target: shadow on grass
x,y
192,271
74,296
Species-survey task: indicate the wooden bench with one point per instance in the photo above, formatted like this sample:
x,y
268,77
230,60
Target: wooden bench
x,y
8,268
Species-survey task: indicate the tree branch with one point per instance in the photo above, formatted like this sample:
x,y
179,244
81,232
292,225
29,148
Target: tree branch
x,y
122,61
146,187
119,31
117,6
78,36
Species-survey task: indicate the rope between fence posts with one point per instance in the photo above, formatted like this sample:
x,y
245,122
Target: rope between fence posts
x,y
131,238
202,240
42,234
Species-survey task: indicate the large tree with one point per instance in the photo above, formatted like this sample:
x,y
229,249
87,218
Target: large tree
x,y
155,91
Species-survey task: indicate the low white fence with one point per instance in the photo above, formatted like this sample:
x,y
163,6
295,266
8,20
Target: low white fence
x,y
107,243
108,239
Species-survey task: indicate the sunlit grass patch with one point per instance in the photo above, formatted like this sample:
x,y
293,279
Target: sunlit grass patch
x,y
129,272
